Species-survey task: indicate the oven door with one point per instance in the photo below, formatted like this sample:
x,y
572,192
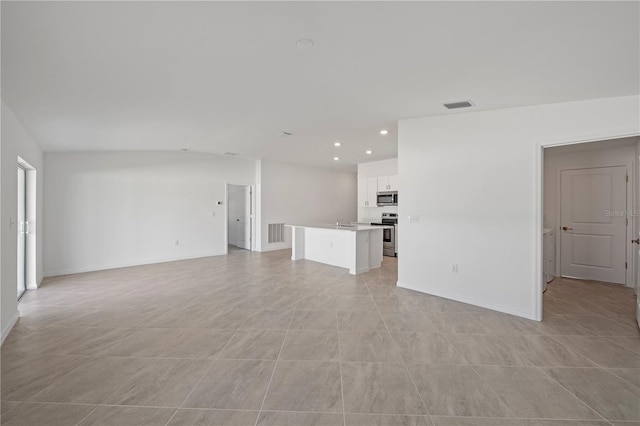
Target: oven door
x,y
388,237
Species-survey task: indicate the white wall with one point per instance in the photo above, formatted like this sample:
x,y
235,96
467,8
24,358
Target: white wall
x,y
294,194
375,169
475,180
106,210
16,142
620,152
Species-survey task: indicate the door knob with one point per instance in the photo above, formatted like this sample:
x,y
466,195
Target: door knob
x,y
566,228
636,241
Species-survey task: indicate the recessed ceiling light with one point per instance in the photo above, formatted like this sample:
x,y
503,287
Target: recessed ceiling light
x,y
369,152
384,132
304,43
337,143
336,158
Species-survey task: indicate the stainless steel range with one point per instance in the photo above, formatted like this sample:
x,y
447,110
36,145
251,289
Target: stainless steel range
x,y
389,235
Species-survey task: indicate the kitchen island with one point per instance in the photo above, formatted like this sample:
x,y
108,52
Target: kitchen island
x,y
356,247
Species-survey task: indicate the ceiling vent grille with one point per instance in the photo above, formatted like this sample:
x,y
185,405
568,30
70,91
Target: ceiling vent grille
x,y
456,105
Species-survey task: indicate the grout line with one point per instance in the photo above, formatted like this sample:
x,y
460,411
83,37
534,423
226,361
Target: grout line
x,y
544,373
275,365
406,368
88,414
213,361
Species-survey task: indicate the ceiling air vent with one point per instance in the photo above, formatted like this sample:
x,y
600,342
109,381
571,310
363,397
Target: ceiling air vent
x,y
455,105
231,153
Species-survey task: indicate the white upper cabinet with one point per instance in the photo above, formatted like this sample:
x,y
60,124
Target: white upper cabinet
x,y
387,183
367,192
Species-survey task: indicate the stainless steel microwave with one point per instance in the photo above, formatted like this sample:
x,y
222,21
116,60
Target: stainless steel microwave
x,y
388,198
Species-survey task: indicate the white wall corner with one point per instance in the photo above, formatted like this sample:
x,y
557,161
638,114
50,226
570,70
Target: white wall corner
x,y
497,308
9,327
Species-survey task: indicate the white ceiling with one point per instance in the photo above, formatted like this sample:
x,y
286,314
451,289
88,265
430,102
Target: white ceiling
x,y
222,76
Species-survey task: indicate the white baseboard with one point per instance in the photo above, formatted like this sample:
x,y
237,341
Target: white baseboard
x,y
9,327
275,247
142,262
497,308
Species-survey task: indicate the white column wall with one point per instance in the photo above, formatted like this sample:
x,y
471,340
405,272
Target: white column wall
x,y
475,181
16,142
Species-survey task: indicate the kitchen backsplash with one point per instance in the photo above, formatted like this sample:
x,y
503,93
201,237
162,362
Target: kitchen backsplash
x,y
373,214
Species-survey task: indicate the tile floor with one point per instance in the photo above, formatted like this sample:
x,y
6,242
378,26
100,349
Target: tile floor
x,y
255,339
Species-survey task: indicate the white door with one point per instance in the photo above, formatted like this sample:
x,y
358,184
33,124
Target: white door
x,y
22,230
244,220
594,224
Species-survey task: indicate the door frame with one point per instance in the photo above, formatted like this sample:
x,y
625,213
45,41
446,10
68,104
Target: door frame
x,y
629,202
252,216
538,192
31,214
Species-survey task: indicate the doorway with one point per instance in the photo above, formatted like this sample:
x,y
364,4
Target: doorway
x,y
23,229
240,227
25,224
590,206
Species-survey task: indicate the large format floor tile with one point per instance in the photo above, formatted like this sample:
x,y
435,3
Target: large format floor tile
x,y
24,375
120,416
456,390
254,338
254,344
92,382
162,383
528,393
612,397
379,388
428,348
305,386
192,417
371,346
229,384
27,414
289,418
319,345
386,420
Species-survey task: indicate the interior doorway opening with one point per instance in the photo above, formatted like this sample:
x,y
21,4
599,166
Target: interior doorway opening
x,y
590,222
26,228
240,218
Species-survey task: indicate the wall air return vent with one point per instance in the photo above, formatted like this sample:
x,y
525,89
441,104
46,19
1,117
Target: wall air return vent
x,y
456,105
276,233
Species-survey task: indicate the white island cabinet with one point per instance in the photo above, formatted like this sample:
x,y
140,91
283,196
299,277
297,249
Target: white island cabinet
x,y
356,247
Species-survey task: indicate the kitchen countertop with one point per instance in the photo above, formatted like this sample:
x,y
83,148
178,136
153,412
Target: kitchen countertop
x,y
342,227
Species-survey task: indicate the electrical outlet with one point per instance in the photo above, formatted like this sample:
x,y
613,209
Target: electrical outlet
x,y
454,268
213,214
